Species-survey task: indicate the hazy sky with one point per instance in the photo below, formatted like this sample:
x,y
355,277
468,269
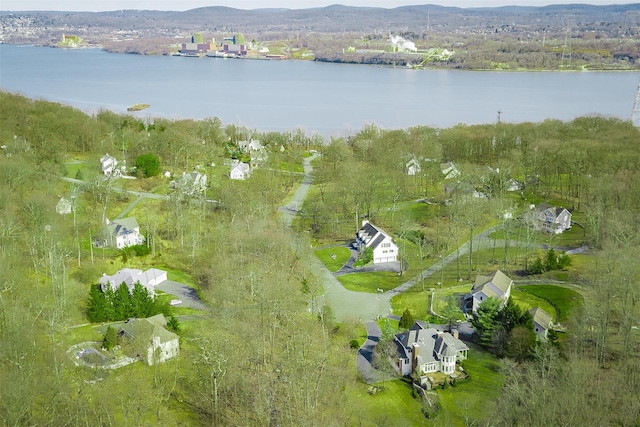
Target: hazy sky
x,y
98,5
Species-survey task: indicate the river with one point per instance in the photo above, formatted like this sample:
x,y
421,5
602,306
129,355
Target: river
x,y
330,99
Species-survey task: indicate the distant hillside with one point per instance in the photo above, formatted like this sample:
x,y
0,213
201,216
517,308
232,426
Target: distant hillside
x,y
345,18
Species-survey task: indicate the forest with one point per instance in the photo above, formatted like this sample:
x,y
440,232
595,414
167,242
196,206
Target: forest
x,y
259,354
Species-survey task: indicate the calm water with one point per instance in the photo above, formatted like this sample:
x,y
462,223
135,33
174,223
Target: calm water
x,y
332,99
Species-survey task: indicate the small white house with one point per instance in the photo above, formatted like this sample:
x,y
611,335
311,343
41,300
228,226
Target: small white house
x,y
108,164
552,219
129,276
149,340
64,206
240,170
449,170
497,285
413,167
191,183
542,322
370,236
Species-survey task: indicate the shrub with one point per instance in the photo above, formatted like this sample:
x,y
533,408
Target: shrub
x,y
354,343
148,165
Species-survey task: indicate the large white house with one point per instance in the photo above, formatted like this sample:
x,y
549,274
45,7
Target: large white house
x,y
149,340
423,350
129,276
552,219
370,236
123,232
497,285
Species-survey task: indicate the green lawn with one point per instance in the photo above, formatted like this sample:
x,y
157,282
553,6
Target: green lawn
x,y
470,399
415,300
563,299
394,406
528,301
372,281
341,253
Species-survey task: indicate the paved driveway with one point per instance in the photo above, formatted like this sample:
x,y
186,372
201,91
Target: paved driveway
x,y
364,358
183,292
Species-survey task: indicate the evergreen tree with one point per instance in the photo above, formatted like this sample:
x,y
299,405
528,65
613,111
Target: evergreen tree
x,y
98,308
485,320
173,324
406,320
141,302
110,338
551,263
122,303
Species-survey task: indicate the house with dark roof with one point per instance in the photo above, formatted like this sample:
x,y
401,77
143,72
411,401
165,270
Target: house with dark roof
x,y
497,285
148,340
370,236
552,219
423,350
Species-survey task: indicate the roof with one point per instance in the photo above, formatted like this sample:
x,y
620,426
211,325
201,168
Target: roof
x,y
371,235
498,279
143,331
123,226
541,317
130,276
432,343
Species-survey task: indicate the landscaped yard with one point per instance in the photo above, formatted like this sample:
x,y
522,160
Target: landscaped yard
x,y
372,281
341,253
563,299
394,406
469,400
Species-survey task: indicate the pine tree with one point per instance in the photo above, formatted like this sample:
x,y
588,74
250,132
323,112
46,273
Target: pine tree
x,y
141,302
122,303
110,338
485,320
406,320
98,306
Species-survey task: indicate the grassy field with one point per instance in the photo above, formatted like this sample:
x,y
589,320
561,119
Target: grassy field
x,y
528,301
562,299
372,281
415,300
341,253
394,406
470,399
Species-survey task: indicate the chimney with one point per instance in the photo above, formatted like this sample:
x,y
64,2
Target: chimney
x,y
414,357
364,222
455,334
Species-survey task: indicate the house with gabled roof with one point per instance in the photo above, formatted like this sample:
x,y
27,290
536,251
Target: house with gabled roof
x,y
122,233
148,340
239,170
449,170
108,164
149,279
542,322
413,167
370,236
191,183
423,350
497,285
552,219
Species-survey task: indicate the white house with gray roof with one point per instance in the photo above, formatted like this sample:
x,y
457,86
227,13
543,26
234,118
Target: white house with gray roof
x,y
122,233
542,322
423,350
497,285
552,219
130,276
370,236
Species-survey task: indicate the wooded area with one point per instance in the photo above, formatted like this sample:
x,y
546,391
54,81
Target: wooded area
x,y
258,356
